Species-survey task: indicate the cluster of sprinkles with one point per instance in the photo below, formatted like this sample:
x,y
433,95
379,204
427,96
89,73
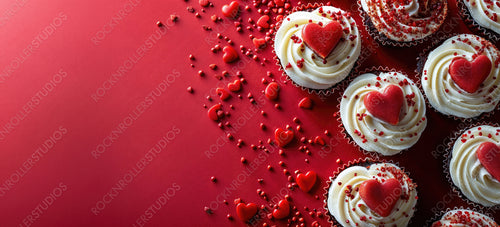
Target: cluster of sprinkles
x,y
470,135
233,88
398,22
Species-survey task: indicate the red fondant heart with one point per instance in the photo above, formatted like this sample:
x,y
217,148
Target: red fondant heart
x,y
230,54
306,103
223,94
306,181
263,21
234,86
380,197
322,40
246,211
385,106
272,91
231,10
283,209
470,75
212,112
488,154
259,43
283,137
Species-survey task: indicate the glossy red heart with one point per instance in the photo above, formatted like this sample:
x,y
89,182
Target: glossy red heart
x,y
246,211
488,154
306,181
213,112
232,10
470,75
306,103
380,197
230,54
223,94
322,40
272,91
234,86
263,21
387,105
259,43
283,209
283,137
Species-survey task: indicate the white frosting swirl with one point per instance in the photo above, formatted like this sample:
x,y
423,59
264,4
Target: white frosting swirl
x,y
407,20
316,73
465,218
444,94
373,134
485,12
466,171
349,209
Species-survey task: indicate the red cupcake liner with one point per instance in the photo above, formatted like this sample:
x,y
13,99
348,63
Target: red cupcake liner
x,y
448,143
439,215
367,161
463,11
345,84
286,79
421,59
383,39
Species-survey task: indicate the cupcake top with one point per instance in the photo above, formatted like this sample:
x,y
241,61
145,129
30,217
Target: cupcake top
x,y
475,165
465,218
485,13
372,195
406,20
461,76
318,49
383,112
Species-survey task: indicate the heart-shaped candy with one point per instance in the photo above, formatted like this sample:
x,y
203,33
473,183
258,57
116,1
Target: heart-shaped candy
x,y
223,94
283,137
387,105
230,54
322,40
263,21
306,181
259,43
306,103
214,112
283,209
272,91
232,10
380,197
246,211
470,75
234,86
488,154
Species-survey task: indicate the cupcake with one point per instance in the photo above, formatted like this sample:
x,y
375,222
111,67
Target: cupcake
x,y
383,112
483,15
318,49
474,165
371,195
461,76
465,218
403,21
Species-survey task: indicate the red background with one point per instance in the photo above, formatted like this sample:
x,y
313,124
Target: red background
x,y
88,47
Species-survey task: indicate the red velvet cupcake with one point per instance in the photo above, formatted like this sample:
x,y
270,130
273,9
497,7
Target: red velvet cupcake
x,y
402,22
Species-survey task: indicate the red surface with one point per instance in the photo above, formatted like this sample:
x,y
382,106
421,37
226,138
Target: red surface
x,y
99,85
